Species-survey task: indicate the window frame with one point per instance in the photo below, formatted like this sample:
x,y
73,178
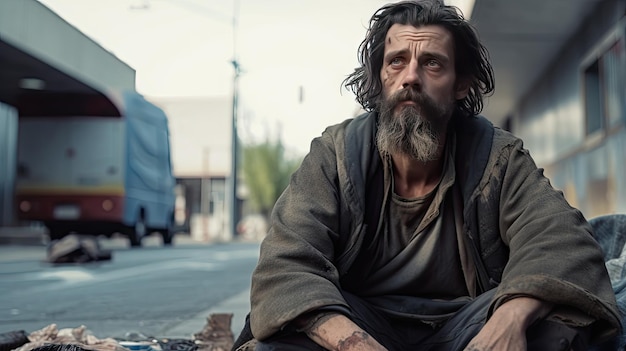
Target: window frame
x,y
594,58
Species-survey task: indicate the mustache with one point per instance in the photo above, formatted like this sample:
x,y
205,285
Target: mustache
x,y
408,94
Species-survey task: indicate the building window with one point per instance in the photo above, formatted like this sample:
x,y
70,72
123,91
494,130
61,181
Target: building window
x,y
604,83
593,108
218,195
615,73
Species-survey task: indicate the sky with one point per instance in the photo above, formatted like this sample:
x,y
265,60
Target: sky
x,y
294,55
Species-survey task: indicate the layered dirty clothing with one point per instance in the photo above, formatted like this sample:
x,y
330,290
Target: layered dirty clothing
x,y
520,235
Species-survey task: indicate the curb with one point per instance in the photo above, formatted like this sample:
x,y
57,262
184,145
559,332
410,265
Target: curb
x,y
23,236
238,305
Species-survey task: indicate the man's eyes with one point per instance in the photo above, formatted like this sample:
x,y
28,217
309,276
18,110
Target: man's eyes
x,y
396,61
433,63
430,63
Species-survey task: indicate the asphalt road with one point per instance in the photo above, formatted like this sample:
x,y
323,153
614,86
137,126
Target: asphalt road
x,y
155,290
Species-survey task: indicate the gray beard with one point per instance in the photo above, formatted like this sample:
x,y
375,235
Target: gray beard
x,y
413,132
409,134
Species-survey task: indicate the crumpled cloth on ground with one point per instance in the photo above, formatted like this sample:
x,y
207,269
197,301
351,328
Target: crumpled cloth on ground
x,y
60,347
76,248
73,336
610,233
215,336
617,268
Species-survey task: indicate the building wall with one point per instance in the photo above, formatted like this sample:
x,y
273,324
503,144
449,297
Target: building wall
x,y
200,138
8,155
205,216
200,135
553,118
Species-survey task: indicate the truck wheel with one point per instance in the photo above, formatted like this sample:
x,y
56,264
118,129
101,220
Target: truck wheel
x,y
137,232
57,232
167,236
168,232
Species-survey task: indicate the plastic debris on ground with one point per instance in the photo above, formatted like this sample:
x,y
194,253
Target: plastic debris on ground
x,y
215,336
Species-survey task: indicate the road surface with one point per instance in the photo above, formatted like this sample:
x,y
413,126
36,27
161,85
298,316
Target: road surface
x,y
155,290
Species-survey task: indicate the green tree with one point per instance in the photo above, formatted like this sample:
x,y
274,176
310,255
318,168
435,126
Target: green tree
x,y
266,170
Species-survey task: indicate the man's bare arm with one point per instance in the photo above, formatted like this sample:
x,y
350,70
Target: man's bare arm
x,y
337,332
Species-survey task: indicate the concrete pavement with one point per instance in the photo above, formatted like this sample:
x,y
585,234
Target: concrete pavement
x,y
23,236
37,236
30,244
238,305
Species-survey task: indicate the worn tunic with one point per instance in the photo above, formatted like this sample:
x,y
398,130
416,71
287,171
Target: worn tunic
x,y
418,250
519,234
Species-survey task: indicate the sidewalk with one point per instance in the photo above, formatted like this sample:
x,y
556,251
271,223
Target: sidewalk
x,y
33,241
32,236
36,253
37,236
238,305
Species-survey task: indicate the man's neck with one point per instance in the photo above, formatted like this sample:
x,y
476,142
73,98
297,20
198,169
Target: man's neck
x,y
413,178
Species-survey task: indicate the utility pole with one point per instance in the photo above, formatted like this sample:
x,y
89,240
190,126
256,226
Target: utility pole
x,y
205,194
231,191
234,208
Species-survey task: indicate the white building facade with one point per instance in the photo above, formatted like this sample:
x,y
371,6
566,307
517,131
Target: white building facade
x,y
561,86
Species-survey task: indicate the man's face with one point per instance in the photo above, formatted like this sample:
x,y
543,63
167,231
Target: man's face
x,y
419,90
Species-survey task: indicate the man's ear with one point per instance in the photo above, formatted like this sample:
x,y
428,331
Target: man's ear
x,y
461,88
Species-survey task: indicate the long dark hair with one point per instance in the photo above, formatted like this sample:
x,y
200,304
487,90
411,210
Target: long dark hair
x,y
471,57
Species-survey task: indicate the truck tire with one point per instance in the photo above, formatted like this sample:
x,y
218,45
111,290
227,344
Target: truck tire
x,y
168,232
57,232
167,236
136,233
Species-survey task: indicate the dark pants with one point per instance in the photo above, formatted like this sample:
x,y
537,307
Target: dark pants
x,y
453,335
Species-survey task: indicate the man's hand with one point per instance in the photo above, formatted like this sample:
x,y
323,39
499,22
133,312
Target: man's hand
x,y
337,332
506,329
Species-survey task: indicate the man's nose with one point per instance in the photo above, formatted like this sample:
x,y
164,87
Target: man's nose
x,y
411,77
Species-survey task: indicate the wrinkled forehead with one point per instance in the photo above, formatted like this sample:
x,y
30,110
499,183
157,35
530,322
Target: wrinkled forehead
x,y
408,36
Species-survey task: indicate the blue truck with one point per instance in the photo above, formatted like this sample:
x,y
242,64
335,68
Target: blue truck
x,y
98,175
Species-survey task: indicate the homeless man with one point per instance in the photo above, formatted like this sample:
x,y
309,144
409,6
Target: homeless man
x,y
419,225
